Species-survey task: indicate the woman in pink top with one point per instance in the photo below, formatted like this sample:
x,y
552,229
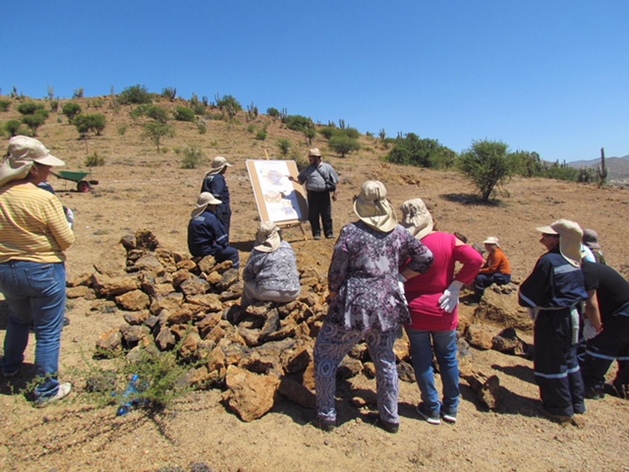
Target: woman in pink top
x,y
432,301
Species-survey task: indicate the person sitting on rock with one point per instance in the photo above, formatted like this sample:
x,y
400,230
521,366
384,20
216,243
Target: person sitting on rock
x,y
271,271
207,235
496,270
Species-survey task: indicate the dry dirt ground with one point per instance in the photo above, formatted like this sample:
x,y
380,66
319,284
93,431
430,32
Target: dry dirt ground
x,y
140,189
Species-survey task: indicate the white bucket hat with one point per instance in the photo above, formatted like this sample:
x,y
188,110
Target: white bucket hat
x,y
570,235
205,199
268,237
218,164
22,152
492,240
372,207
416,218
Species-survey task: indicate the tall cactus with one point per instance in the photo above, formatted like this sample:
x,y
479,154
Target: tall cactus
x,y
602,170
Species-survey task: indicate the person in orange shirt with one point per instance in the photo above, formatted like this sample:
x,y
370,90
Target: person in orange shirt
x,y
496,270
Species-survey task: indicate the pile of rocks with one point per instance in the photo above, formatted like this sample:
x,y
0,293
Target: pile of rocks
x,y
170,301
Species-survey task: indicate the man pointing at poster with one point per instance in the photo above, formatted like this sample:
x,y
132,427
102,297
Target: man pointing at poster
x,y
320,180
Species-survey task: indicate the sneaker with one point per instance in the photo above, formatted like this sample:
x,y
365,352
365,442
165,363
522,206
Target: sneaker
x,y
428,415
448,417
64,390
325,425
329,236
317,237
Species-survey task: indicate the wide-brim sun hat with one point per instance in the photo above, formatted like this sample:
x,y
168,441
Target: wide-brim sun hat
x,y
570,236
314,152
268,237
372,207
416,218
218,164
205,199
22,153
492,240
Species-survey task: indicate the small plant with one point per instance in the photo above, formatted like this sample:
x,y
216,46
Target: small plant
x,y
251,129
95,123
12,127
94,160
137,94
262,134
71,110
5,105
54,106
122,129
170,93
201,126
184,114
284,145
192,157
273,112
157,132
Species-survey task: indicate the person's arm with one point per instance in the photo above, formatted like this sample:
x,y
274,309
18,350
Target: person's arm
x,y
592,311
470,260
58,224
533,289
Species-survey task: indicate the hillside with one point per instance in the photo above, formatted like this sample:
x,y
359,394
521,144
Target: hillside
x,y
617,167
140,188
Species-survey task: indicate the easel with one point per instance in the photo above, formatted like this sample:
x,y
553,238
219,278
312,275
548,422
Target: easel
x,y
299,202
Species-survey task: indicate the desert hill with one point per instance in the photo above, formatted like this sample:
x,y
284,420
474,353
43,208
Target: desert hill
x,y
141,188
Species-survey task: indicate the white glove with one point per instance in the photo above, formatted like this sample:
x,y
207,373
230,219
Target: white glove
x,y
589,331
401,280
450,298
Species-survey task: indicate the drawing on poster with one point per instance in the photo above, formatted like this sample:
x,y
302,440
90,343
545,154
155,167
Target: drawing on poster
x,y
276,197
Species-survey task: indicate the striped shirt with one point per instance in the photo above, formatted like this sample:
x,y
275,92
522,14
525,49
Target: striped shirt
x,y
33,226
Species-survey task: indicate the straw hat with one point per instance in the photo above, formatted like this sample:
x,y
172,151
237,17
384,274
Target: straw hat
x,y
268,237
373,208
22,152
416,218
205,199
218,164
492,240
570,235
314,152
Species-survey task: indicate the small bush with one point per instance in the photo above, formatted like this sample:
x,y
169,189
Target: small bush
x,y
170,93
12,127
137,94
343,144
273,112
71,110
122,129
201,126
95,123
29,108
94,160
261,135
284,145
192,157
35,120
5,105
183,114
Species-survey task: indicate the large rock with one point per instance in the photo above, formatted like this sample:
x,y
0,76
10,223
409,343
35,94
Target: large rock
x,y
503,309
135,300
250,395
106,286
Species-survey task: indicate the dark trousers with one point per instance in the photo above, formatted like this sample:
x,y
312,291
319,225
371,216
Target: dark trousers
x,y
320,207
610,344
556,367
483,281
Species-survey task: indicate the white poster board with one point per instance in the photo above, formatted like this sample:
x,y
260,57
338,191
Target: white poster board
x,y
277,197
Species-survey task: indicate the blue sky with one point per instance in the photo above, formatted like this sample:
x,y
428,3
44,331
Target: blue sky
x,y
550,76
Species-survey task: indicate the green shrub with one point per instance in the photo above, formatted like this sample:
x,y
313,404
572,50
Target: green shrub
x,y
12,127
170,93
157,132
284,145
201,126
414,151
136,94
183,114
157,113
273,112
29,108
35,120
261,135
343,144
5,105
95,123
192,157
94,160
71,110
298,122
487,165
229,105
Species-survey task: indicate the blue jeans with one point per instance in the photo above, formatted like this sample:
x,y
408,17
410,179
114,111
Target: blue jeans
x,y
445,348
35,293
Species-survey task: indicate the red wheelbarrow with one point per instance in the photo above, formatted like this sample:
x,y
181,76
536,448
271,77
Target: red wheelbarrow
x,y
82,184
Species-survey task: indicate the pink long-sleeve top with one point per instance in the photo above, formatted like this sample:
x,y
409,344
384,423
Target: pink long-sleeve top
x,y
423,291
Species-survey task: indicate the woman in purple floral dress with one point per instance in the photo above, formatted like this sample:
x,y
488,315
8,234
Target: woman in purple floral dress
x,y
366,302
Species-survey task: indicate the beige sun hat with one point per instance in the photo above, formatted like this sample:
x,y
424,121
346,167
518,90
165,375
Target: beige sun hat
x,y
570,236
416,218
268,237
492,240
205,199
314,152
372,207
218,164
22,152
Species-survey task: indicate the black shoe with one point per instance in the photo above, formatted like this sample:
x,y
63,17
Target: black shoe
x,y
317,237
325,425
594,393
392,428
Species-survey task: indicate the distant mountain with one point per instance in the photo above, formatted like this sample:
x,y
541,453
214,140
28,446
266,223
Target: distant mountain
x,y
617,167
